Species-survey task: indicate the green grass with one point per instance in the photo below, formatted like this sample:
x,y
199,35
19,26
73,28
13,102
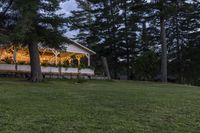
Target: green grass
x,y
98,106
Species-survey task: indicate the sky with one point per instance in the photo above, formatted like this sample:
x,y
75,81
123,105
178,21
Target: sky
x,y
69,6
66,8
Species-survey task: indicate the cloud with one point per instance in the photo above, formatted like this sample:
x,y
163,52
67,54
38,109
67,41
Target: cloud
x,y
67,7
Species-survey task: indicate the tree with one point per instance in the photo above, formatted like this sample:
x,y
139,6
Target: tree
x,y
112,27
146,66
82,20
131,20
5,6
163,10
124,31
32,22
161,6
98,25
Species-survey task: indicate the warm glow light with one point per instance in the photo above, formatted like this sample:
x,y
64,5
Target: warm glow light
x,y
48,56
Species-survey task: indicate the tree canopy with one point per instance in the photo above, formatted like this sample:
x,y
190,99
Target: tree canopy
x,y
132,34
31,22
127,31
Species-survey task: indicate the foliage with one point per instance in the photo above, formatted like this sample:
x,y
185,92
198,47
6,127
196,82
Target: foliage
x,y
100,26
45,64
4,39
8,60
66,63
146,66
32,22
22,63
83,62
74,61
124,30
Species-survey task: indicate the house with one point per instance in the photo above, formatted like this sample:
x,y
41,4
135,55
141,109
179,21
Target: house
x,y
72,59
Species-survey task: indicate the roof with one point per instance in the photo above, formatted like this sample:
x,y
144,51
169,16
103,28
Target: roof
x,y
83,47
71,41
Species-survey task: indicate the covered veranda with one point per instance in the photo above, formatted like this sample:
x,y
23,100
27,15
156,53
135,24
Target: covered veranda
x,y
75,59
48,57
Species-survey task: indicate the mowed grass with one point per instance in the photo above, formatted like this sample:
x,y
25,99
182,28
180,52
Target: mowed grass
x,y
60,106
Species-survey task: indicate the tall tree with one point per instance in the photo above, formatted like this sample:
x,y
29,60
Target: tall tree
x,y
99,28
113,29
126,30
161,4
5,18
32,22
163,9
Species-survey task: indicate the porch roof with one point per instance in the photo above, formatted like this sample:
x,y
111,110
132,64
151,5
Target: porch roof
x,y
81,46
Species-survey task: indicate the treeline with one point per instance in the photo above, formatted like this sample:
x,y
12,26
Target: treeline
x,y
157,40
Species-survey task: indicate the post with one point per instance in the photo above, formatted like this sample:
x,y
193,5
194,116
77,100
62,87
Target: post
x,y
78,57
15,57
59,67
1,50
79,62
88,56
105,64
56,53
56,59
164,51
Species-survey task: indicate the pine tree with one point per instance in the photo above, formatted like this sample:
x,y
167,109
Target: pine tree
x,y
162,10
98,24
82,21
5,17
124,31
113,29
32,22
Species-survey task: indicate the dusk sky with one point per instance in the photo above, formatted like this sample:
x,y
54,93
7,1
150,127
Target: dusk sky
x,y
67,7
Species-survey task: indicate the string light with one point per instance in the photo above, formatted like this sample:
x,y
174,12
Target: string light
x,y
47,55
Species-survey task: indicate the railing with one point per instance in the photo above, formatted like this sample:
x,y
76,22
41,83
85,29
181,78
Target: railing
x,y
46,69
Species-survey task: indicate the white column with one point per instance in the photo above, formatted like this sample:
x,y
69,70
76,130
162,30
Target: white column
x,y
79,62
56,59
1,50
15,55
56,53
88,56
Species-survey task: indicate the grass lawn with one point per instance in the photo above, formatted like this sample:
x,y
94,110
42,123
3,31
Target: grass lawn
x,y
98,106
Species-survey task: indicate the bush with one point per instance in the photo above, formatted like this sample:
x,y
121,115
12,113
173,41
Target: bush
x,y
44,64
146,66
83,62
8,61
65,63
21,63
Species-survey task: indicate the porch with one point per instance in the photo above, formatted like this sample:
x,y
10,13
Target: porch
x,y
73,61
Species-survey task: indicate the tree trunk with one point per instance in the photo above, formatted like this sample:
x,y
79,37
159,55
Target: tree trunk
x,y
127,42
164,51
36,73
113,38
178,45
105,65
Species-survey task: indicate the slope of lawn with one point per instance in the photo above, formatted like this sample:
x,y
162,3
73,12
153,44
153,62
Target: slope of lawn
x,y
98,106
